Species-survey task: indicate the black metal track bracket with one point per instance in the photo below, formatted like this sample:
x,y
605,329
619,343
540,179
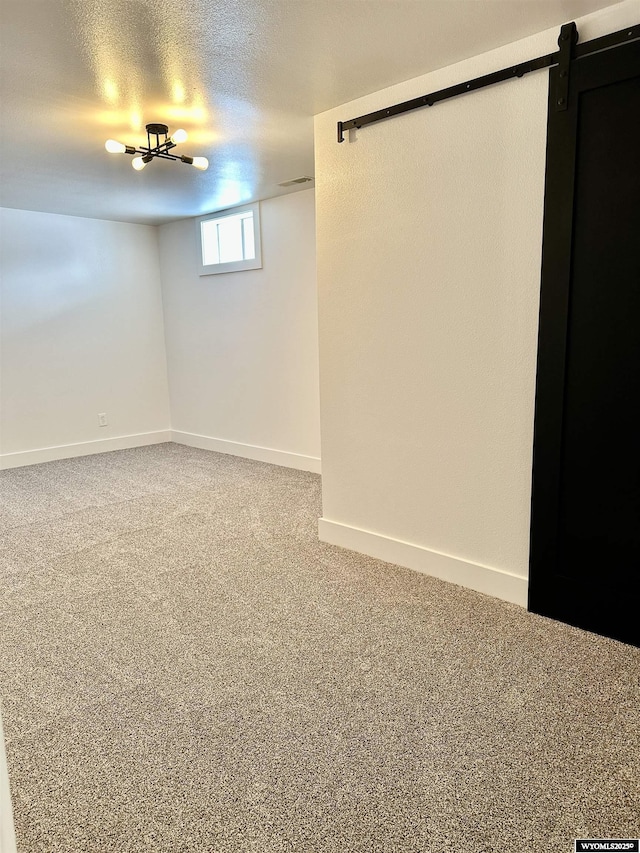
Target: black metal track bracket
x,y
566,42
569,51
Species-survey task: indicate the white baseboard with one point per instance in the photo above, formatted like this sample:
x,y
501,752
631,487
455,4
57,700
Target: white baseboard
x,y
7,831
484,579
83,448
249,451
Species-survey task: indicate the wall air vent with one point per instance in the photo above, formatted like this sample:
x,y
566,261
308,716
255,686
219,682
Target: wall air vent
x,y
303,180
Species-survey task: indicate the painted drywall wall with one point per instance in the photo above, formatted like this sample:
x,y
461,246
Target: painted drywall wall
x,y
242,347
81,334
429,230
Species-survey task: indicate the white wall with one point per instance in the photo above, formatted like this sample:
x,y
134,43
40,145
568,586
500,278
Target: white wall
x,y
81,333
242,347
429,248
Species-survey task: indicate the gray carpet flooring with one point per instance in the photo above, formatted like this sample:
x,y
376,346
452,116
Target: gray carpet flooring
x,y
184,667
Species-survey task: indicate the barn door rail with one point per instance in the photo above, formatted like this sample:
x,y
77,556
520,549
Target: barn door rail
x,y
569,50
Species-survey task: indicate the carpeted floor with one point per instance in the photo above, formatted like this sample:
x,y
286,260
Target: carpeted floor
x,y
184,667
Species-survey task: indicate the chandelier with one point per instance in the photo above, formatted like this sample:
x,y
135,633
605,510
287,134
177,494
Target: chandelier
x,y
164,144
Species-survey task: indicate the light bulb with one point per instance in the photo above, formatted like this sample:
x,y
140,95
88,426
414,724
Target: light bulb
x,y
115,147
179,136
200,163
138,164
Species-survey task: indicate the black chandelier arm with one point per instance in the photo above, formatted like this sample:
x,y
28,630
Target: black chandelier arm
x,y
164,146
157,149
151,153
165,156
162,155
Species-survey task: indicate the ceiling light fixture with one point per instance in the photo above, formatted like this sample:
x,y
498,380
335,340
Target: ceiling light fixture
x,y
160,149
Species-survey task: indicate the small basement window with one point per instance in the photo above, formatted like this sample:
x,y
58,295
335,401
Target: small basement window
x,y
230,240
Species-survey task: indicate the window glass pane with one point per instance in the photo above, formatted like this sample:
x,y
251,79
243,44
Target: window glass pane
x,y
230,236
209,232
249,240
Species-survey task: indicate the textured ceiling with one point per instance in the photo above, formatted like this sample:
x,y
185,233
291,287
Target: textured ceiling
x,y
243,77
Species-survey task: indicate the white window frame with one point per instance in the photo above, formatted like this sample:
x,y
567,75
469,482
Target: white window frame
x,y
232,266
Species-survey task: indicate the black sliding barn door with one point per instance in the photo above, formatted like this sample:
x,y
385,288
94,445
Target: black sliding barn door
x,y
585,524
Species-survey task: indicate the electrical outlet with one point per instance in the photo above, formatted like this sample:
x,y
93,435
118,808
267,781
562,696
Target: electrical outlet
x,y
102,419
